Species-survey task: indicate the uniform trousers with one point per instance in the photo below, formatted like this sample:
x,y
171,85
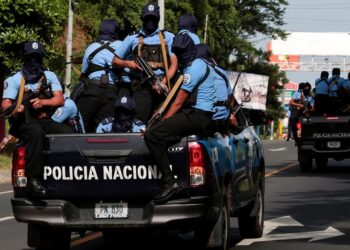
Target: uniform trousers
x,y
170,131
95,104
321,104
32,137
146,101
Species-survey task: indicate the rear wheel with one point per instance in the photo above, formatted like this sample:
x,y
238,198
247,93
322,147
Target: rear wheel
x,y
203,234
44,237
305,161
252,225
321,162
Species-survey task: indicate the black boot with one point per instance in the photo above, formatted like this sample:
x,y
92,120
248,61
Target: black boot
x,y
168,190
35,188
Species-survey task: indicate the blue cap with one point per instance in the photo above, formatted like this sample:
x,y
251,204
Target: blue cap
x,y
126,102
150,9
108,30
33,47
188,22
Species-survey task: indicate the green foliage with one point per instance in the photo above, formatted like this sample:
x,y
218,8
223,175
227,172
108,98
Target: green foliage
x,y
24,20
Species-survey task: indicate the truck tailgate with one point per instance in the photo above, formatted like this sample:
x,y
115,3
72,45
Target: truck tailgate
x,y
106,166
320,127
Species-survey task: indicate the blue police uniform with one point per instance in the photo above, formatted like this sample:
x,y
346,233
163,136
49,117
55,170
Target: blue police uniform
x,y
334,88
103,58
206,93
12,84
223,91
107,126
321,86
346,84
309,99
69,114
194,36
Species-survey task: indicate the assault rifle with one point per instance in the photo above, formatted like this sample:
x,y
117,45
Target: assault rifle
x,y
151,76
29,95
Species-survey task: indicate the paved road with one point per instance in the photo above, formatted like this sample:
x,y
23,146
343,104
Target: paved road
x,y
312,202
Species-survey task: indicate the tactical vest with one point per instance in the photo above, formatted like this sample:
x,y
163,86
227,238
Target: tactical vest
x,y
152,53
95,67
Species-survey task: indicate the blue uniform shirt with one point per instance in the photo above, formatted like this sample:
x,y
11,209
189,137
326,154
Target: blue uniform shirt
x,y
333,89
206,95
68,112
346,84
102,58
223,91
12,84
125,51
136,127
193,36
321,87
310,100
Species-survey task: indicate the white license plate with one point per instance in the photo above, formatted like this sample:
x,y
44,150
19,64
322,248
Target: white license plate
x,y
111,210
333,144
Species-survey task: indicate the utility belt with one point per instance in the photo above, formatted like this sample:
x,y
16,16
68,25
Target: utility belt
x,y
104,83
189,110
221,103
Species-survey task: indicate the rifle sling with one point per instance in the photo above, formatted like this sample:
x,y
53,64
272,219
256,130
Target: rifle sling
x,y
20,96
165,58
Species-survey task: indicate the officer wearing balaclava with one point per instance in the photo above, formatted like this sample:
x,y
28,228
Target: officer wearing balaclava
x,y
31,120
190,113
96,102
188,24
146,43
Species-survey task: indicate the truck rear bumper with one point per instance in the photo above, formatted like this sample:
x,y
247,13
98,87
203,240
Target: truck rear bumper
x,y
61,213
330,153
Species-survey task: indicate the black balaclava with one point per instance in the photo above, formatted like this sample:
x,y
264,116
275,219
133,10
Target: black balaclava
x,y
150,17
324,75
108,31
335,72
123,120
32,68
203,51
349,75
188,22
307,89
301,86
184,48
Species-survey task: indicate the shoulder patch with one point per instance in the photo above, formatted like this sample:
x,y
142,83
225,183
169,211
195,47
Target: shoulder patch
x,y
6,84
58,112
107,120
187,78
138,122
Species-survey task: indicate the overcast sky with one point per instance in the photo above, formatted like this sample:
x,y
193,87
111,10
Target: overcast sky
x,y
316,16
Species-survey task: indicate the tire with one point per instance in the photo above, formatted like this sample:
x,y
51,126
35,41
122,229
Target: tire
x,y
203,233
252,226
321,162
44,237
305,161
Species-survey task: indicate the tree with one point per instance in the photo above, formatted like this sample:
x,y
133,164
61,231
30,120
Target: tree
x,y
24,20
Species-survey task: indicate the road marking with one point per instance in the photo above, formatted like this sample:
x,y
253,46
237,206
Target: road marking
x,y
86,239
278,149
288,221
7,218
6,192
277,171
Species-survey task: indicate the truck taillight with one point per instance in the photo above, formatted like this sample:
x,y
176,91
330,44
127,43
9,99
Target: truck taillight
x,y
299,127
19,178
196,164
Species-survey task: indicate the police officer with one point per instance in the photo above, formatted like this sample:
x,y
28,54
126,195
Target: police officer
x,y
32,120
188,24
335,84
322,97
302,104
69,114
123,120
97,100
182,120
223,91
147,44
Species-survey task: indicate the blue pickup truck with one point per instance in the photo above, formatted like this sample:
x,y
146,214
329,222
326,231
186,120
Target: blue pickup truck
x,y
106,182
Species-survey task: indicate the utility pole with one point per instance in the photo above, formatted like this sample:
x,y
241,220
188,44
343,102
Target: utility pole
x,y
206,28
162,14
69,42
